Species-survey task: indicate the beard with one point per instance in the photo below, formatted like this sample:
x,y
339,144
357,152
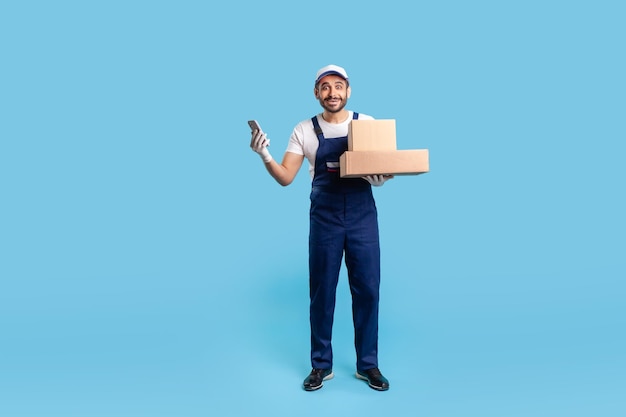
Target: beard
x,y
334,108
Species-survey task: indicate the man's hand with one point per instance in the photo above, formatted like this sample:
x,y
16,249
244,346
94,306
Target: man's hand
x,y
259,144
377,180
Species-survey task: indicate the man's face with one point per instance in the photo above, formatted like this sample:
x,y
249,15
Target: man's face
x,y
332,92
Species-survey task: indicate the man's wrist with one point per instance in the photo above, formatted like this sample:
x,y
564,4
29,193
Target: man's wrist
x,y
265,155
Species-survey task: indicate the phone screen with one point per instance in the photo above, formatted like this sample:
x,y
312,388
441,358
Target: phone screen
x,y
254,125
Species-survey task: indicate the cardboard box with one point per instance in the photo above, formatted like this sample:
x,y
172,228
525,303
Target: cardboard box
x,y
372,135
396,162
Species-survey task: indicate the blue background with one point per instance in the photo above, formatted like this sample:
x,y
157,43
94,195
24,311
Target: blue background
x,y
150,266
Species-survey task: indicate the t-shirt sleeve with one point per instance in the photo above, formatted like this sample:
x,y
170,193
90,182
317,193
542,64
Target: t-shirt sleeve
x,y
296,141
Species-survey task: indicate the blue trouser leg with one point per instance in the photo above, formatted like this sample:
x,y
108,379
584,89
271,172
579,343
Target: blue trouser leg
x,y
326,241
363,265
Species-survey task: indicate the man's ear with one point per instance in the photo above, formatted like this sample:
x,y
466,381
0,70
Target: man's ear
x,y
316,92
348,92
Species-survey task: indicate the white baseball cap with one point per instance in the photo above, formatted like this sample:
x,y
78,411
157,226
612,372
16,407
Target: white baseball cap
x,y
331,69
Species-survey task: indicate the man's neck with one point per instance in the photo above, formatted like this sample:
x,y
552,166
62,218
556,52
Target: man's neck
x,y
335,117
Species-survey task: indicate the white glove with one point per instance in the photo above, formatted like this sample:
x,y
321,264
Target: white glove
x,y
259,144
377,180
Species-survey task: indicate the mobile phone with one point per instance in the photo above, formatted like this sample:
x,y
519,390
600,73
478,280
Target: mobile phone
x,y
254,125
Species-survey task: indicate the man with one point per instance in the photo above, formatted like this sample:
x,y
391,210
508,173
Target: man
x,y
343,217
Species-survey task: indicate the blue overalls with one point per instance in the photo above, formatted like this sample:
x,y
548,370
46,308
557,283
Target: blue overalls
x,y
343,217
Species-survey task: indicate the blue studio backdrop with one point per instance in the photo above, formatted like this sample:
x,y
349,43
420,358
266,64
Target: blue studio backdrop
x,y
149,265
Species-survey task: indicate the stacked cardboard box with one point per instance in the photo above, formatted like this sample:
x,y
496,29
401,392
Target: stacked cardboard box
x,y
372,151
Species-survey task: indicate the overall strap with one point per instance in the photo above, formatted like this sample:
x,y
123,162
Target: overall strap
x,y
317,128
355,115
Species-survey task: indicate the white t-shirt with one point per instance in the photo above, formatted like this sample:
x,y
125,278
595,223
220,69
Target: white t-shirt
x,y
303,140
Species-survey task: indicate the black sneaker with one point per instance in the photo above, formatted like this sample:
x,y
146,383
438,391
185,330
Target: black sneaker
x,y
374,379
316,379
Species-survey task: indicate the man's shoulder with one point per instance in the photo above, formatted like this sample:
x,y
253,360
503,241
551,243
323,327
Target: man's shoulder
x,y
303,124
